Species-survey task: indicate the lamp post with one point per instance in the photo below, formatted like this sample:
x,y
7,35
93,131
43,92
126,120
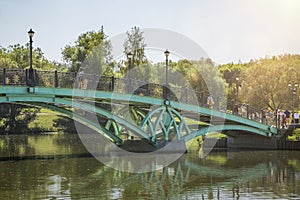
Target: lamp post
x,y
31,76
293,88
237,85
166,93
129,57
237,79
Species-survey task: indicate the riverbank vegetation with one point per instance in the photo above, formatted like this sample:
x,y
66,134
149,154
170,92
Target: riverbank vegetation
x,y
261,82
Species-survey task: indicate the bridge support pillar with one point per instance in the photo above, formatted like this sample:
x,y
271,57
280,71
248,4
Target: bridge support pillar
x,y
251,142
142,146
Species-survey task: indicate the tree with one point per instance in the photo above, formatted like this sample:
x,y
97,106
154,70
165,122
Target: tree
x,y
265,81
14,118
229,73
65,124
89,49
17,57
135,44
201,77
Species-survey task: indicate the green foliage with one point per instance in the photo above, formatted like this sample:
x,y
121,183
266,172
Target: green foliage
x,y
265,81
16,79
17,57
135,44
295,135
229,73
216,135
14,118
90,49
65,125
46,81
43,122
211,77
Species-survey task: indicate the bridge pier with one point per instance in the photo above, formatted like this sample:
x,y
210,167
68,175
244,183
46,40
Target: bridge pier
x,y
251,141
142,146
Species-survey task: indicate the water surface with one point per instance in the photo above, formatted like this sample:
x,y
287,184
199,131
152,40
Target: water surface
x,y
220,175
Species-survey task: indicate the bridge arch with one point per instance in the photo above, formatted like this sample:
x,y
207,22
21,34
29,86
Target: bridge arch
x,y
65,96
53,103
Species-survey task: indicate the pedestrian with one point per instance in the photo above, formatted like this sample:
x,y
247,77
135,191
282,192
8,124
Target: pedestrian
x,y
80,79
284,123
210,102
278,120
296,117
244,110
236,109
281,119
287,114
263,116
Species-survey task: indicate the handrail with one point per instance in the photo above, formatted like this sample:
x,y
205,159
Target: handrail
x,y
48,78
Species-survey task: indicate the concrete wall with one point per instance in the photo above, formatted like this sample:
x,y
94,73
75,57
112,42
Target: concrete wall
x,y
251,142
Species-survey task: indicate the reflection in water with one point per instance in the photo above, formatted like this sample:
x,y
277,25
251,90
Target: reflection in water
x,y
39,146
55,188
221,175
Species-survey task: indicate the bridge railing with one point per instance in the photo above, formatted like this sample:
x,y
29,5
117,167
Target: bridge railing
x,y
13,76
57,79
247,111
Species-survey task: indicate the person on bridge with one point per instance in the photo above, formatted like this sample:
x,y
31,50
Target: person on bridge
x,y
284,123
244,110
287,114
296,117
281,117
80,79
210,102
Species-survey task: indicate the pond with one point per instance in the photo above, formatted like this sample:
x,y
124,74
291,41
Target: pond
x,y
59,167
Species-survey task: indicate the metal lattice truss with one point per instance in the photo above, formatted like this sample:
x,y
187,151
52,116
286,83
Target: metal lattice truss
x,y
164,121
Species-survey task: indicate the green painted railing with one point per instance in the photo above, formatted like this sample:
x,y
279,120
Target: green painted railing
x,y
56,79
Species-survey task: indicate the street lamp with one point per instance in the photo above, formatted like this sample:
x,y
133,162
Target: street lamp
x,y
129,57
167,53
293,88
237,85
31,76
237,79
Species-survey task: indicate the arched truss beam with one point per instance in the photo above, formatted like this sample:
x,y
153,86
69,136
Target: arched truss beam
x,y
245,173
55,100
220,128
164,121
69,92
123,98
94,126
131,114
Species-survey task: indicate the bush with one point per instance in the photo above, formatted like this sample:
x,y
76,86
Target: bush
x,y
295,136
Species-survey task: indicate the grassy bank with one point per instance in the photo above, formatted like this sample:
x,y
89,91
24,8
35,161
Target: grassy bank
x,y
44,121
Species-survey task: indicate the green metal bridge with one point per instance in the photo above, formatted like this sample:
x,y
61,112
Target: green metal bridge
x,y
144,113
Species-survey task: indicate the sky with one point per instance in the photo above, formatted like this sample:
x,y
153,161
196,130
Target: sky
x,y
227,30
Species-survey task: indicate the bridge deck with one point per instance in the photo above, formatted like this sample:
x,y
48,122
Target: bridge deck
x,y
189,119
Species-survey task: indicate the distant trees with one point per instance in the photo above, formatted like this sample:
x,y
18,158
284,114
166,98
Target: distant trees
x,y
14,118
17,56
202,75
89,47
230,72
135,44
264,81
